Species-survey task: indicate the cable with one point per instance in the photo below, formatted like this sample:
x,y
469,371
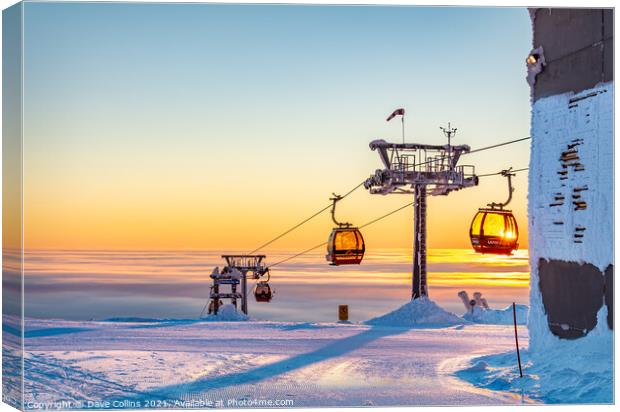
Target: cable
x,y
496,145
303,221
325,243
413,166
499,173
376,220
362,183
202,312
289,230
297,255
386,215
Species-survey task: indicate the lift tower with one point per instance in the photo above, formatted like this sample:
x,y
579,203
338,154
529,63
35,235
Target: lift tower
x,y
235,273
421,170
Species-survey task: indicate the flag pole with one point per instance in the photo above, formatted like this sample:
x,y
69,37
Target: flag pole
x,y
402,121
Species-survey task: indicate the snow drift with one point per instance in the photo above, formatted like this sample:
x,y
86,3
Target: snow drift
x,y
497,317
227,313
421,311
579,371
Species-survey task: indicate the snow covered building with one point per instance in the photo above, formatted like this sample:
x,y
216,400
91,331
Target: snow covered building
x,y
570,71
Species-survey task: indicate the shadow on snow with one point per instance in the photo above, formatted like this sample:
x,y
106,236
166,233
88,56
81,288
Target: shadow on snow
x,y
332,350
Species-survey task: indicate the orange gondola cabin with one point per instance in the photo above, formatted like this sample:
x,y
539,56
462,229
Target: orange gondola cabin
x,y
263,292
345,246
494,231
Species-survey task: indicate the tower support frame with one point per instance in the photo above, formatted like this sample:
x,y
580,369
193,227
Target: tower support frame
x,y
422,170
245,265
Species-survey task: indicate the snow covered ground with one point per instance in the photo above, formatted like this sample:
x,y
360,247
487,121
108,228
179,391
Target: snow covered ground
x,y
169,363
418,354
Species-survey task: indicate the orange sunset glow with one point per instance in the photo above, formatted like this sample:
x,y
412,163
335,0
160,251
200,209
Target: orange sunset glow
x,y
167,142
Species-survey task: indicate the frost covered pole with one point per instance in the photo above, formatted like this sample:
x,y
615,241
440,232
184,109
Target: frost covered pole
x,y
419,287
244,291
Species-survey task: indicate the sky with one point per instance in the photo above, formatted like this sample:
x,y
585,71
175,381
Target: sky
x,y
193,126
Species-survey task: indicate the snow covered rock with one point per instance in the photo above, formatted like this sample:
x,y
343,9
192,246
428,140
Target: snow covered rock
x,y
227,313
497,317
421,311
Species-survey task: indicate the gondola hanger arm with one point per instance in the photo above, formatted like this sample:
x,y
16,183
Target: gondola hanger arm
x,y
508,173
334,200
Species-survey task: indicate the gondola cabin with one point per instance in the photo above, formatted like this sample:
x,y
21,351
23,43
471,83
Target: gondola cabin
x,y
494,231
345,246
263,292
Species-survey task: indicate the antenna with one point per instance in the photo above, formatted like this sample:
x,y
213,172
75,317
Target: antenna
x,y
449,132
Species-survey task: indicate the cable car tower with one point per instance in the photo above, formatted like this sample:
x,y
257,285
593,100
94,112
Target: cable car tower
x,y
235,274
421,170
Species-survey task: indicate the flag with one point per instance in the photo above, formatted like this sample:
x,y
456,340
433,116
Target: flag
x,y
397,112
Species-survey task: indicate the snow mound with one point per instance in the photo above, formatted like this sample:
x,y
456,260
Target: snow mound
x,y
559,379
421,311
227,313
579,371
498,317
480,366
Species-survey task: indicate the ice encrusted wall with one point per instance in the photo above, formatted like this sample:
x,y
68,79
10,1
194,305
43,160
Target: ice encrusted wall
x,y
570,195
